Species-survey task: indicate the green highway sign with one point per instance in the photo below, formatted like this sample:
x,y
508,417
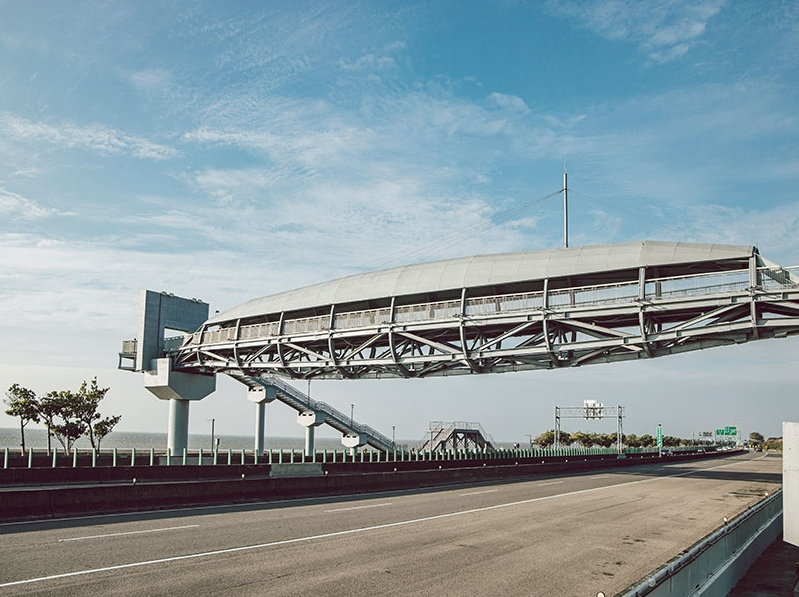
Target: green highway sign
x,y
660,436
729,430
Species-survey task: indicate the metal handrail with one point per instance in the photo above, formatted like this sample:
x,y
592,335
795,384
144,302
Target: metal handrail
x,y
655,289
334,414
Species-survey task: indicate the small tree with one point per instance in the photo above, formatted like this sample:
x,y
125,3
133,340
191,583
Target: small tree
x,y
24,404
756,439
49,408
64,410
88,401
103,427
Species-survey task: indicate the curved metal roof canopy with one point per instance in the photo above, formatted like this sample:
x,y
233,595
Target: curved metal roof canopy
x,y
595,264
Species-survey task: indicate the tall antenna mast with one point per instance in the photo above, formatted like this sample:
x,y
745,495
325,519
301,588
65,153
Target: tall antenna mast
x,y
565,209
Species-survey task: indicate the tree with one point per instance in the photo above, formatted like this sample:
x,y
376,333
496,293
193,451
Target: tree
x,y
24,404
583,439
605,439
88,401
49,407
646,441
756,439
63,416
103,427
632,441
546,439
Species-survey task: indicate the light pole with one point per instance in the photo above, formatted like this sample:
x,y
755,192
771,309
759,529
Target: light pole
x,y
352,414
212,434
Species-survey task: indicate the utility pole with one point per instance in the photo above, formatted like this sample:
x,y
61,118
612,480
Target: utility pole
x,y
565,209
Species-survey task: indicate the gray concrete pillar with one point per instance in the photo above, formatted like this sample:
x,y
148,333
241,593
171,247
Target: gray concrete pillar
x,y
178,432
260,427
179,388
310,419
309,440
261,396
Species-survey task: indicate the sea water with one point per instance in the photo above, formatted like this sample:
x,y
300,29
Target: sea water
x,y
37,439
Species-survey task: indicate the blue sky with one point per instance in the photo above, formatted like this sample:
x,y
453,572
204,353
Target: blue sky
x,y
229,150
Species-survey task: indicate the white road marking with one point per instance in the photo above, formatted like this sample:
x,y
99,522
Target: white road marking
x,y
359,507
355,531
480,492
552,483
188,526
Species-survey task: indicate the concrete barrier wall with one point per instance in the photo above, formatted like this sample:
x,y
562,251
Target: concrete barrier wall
x,y
74,492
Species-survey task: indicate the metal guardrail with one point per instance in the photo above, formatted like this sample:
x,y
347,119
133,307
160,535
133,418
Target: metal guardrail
x,y
34,458
719,560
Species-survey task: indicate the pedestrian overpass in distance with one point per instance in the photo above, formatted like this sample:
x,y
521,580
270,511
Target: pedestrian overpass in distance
x,y
532,310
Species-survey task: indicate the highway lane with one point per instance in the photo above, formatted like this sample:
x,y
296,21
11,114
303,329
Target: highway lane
x,y
572,535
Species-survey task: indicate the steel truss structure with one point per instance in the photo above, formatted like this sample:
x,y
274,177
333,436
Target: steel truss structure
x,y
591,411
637,315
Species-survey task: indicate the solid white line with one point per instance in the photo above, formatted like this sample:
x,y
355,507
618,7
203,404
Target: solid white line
x,y
552,483
359,507
480,492
188,526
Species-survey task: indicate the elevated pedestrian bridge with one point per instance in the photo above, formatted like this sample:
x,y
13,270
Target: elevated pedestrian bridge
x,y
488,314
484,314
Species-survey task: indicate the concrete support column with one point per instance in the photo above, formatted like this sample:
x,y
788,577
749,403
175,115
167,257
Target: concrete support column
x,y
260,427
309,440
178,388
178,432
310,419
261,397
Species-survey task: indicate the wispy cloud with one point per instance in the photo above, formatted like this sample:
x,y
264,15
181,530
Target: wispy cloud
x,y
663,29
96,138
15,206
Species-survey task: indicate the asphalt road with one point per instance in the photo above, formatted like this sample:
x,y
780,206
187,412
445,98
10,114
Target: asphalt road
x,y
573,535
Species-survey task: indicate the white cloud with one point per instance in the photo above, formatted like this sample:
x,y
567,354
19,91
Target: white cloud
x,y
509,102
663,29
97,138
16,206
368,62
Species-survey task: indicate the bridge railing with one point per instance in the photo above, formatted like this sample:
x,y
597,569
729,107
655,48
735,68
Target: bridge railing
x,y
39,458
582,296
